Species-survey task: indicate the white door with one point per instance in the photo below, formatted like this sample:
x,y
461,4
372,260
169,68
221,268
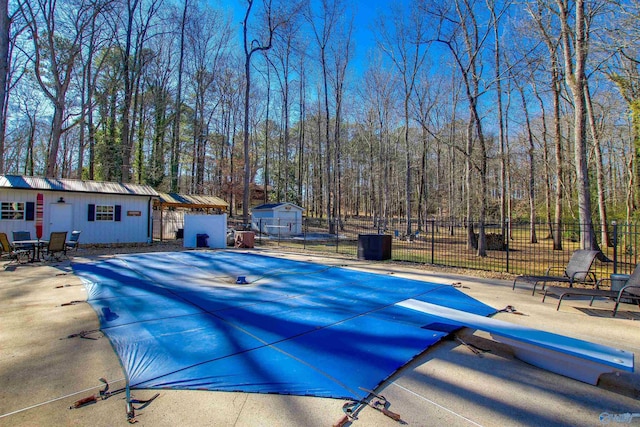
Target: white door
x,y
60,218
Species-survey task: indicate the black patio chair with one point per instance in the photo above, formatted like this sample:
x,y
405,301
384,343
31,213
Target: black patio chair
x,y
630,292
577,271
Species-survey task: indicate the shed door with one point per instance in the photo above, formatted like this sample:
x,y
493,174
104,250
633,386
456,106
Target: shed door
x,y
288,220
60,218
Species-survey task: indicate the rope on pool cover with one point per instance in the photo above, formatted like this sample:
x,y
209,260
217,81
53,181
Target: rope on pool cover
x,y
56,399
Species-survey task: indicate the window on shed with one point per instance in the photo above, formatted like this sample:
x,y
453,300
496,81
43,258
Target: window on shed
x,y
12,210
105,212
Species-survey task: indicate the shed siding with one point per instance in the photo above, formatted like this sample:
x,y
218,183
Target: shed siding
x,y
285,218
130,229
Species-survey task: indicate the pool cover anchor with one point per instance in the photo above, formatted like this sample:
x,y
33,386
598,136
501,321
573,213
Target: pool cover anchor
x,y
131,410
104,394
374,400
474,348
382,404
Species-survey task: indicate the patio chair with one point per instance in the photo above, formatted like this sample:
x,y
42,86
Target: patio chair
x,y
72,243
57,246
577,270
21,236
8,251
630,291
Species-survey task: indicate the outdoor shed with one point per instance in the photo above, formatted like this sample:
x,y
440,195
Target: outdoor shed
x,y
277,218
105,212
170,208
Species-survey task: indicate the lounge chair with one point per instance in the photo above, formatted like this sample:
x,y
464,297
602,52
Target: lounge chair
x,y
577,270
57,246
630,291
72,243
14,254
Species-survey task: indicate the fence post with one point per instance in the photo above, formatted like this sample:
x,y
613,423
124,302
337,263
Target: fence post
x,y
615,247
506,241
433,240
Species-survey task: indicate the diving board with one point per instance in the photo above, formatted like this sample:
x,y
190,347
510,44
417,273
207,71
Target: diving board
x,y
571,357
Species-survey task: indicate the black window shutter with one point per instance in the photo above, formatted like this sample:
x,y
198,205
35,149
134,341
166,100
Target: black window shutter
x,y
29,213
118,213
92,213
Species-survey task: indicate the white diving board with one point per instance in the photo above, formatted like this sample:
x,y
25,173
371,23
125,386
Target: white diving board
x,y
571,357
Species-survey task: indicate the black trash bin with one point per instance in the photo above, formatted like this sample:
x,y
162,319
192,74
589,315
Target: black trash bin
x,y
375,247
201,240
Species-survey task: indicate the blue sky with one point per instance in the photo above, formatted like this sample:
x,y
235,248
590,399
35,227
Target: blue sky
x,y
366,14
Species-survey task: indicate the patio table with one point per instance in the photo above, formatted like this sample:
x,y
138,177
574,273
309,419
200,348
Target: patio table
x,y
35,245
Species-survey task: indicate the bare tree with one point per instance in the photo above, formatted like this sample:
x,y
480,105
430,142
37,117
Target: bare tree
x,y
533,238
273,19
137,20
575,45
624,71
207,39
175,139
5,23
597,149
544,25
465,38
323,28
342,52
406,46
57,31
281,62
495,18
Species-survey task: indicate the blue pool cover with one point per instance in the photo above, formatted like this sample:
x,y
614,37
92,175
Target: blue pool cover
x,y
179,320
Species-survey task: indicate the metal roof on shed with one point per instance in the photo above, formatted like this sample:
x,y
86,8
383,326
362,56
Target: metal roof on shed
x,y
74,185
191,201
271,206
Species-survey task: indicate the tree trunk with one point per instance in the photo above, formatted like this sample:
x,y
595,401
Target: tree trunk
x,y
5,26
175,146
533,238
576,78
595,134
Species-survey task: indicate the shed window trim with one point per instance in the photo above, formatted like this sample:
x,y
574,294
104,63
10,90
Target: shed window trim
x,y
105,212
12,211
111,213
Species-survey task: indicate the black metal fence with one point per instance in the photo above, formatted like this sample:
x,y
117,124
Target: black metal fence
x,y
451,243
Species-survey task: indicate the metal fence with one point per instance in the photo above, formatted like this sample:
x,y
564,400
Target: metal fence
x,y
446,243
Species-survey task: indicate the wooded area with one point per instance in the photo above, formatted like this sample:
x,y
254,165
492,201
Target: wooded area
x,y
484,110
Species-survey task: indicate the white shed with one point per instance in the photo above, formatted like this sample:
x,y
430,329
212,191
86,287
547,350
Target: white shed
x,y
277,218
105,212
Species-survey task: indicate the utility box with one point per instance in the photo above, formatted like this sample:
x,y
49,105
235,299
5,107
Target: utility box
x,y
618,281
214,227
375,247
